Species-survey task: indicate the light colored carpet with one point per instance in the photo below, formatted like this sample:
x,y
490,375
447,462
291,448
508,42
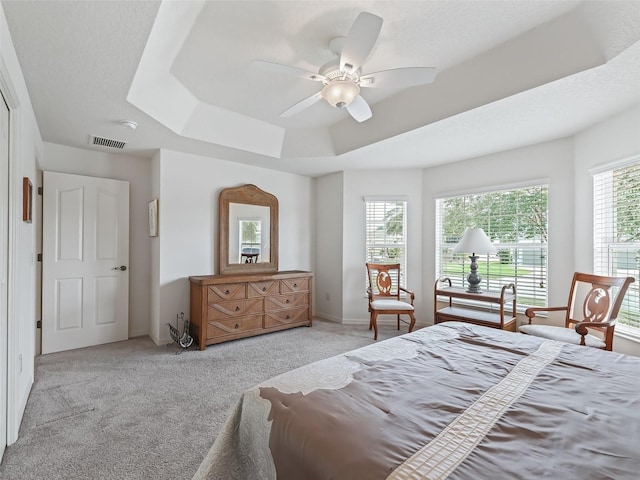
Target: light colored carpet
x,y
132,410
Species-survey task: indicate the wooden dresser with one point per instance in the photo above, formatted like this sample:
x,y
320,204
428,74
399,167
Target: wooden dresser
x,y
227,307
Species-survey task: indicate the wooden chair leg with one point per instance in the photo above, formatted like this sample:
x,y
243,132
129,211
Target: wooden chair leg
x,y
398,321
371,321
413,321
374,321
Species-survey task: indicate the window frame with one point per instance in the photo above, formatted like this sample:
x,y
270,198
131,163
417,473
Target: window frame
x,y
387,245
520,250
607,248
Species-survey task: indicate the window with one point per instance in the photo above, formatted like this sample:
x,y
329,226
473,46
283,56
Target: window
x,y
386,224
616,233
516,222
250,239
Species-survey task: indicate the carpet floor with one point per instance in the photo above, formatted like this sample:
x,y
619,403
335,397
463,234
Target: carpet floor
x,y
133,410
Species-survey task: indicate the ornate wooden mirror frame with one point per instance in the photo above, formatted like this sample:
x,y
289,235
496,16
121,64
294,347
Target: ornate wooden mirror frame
x,y
247,195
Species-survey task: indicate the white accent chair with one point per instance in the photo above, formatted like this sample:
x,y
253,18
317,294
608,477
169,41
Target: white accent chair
x,y
384,295
594,303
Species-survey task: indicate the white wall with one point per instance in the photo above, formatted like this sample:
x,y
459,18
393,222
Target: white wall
x,y
188,190
329,207
25,147
136,171
360,184
551,163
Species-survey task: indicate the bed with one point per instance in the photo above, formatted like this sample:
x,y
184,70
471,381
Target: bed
x,y
455,401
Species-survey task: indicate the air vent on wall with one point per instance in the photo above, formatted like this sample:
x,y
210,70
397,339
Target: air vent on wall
x,y
106,142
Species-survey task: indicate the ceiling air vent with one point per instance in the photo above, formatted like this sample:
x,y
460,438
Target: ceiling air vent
x,y
106,142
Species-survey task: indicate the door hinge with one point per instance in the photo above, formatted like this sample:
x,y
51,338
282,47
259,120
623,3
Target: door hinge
x,y
39,190
39,257
39,324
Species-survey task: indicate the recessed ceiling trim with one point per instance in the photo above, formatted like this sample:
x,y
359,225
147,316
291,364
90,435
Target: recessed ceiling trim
x,y
540,56
161,95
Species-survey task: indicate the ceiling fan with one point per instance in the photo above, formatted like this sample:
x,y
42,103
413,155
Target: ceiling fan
x,y
342,77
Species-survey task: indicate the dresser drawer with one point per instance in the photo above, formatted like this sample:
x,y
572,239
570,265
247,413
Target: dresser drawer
x,y
292,285
278,302
261,289
234,308
233,326
231,291
284,317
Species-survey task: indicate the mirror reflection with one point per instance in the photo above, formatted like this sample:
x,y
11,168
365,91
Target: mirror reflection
x,y
249,229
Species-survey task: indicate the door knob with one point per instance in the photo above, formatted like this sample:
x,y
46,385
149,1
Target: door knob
x,y
122,268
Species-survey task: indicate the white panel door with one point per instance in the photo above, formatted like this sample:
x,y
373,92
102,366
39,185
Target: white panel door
x,y
85,258
4,255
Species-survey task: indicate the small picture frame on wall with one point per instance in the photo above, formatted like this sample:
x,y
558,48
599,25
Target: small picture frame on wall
x,y
153,218
27,200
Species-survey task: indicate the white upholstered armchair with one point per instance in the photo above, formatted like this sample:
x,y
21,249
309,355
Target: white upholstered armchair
x,y
594,303
384,295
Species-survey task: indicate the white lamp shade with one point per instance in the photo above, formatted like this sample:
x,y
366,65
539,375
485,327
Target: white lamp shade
x,y
474,240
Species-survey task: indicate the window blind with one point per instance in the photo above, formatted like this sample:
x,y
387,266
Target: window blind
x,y
616,233
516,222
386,227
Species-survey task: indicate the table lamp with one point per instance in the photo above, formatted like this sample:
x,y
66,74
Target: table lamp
x,y
473,241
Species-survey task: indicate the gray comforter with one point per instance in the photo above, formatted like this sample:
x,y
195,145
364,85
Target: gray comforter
x,y
453,401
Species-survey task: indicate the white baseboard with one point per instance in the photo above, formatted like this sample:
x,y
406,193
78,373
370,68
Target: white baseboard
x,y
138,334
329,318
363,321
343,321
355,321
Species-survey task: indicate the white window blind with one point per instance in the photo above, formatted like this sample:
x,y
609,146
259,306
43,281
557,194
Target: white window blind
x,y
516,222
386,225
616,233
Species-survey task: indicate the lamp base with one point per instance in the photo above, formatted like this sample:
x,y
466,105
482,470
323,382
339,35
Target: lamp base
x,y
473,289
473,278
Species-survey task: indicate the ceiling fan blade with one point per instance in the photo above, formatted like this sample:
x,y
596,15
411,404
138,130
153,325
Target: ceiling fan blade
x,y
288,70
359,109
360,40
302,105
399,77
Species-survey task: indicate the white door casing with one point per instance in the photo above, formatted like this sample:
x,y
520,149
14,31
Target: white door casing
x,y
4,273
85,259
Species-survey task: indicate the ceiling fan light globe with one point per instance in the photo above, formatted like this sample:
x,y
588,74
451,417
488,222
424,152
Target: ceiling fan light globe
x,y
340,93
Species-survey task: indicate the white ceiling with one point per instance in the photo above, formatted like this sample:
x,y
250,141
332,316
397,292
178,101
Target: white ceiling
x,y
510,73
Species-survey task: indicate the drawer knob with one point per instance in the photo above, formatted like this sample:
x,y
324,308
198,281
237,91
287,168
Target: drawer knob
x,y
287,317
227,292
287,301
237,310
236,326
295,285
264,289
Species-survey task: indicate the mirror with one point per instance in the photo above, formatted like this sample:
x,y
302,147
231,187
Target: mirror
x,y
248,230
